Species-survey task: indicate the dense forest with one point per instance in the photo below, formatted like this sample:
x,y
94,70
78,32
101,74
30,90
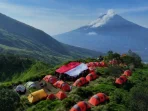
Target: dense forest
x,y
131,96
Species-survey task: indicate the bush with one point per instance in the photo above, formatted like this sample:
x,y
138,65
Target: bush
x,y
9,100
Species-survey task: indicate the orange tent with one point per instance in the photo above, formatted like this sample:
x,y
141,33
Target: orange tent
x,y
61,95
93,64
62,85
103,64
80,82
113,62
91,76
51,97
58,84
122,79
97,99
80,106
91,69
127,73
50,78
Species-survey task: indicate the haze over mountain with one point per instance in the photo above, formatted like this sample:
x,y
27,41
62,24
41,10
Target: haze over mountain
x,y
109,32
22,39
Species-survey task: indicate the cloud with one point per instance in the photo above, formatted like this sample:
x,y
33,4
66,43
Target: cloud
x,y
52,21
92,33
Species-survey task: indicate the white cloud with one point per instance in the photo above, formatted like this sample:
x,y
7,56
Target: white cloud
x,y
92,33
55,21
52,21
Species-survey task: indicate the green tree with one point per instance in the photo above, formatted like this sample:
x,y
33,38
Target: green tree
x,y
139,98
9,100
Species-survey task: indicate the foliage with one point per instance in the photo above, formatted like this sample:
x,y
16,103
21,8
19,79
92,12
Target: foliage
x,y
8,100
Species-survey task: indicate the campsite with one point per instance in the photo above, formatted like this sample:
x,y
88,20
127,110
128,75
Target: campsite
x,y
89,84
73,55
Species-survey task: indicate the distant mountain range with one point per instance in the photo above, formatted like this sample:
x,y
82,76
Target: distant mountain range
x,y
109,32
19,38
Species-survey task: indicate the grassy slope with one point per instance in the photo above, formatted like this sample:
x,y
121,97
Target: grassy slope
x,y
16,68
119,97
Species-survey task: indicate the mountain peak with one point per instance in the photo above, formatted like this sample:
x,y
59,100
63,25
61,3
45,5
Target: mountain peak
x,y
103,19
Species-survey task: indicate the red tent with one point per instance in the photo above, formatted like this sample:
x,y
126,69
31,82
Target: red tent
x,y
58,84
50,78
103,64
61,95
113,62
80,82
127,73
62,85
97,99
67,67
122,79
91,69
93,64
51,97
91,76
80,106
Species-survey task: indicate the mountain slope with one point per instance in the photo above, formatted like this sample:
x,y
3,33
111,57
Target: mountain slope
x,y
19,38
109,32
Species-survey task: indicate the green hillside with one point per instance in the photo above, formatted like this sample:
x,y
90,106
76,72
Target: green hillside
x,y
21,39
131,96
16,69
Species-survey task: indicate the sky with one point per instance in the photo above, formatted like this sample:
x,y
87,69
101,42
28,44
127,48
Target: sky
x,y
59,16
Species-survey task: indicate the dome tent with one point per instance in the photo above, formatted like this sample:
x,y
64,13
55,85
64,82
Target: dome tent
x,y
61,95
80,82
91,76
37,96
51,97
30,84
122,79
49,78
80,106
127,73
62,85
20,89
97,99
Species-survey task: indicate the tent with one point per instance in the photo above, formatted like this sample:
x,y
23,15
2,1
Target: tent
x,y
80,82
62,85
49,78
122,79
113,62
80,106
73,69
37,96
91,69
58,84
93,64
51,97
61,95
91,76
20,89
103,64
97,99
127,73
67,67
30,84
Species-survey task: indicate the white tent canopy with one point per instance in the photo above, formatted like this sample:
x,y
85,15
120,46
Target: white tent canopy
x,y
30,84
77,70
20,88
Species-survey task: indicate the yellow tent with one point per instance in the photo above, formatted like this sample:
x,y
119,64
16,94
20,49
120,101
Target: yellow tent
x,y
37,95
